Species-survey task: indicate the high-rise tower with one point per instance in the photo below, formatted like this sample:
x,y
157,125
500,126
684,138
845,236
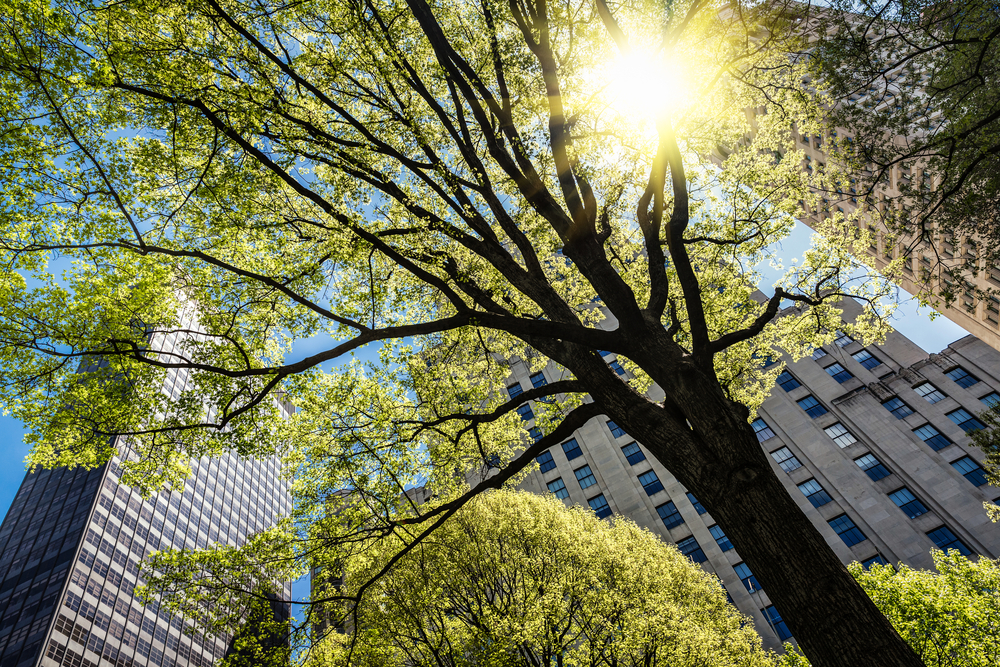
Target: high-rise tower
x,y
71,544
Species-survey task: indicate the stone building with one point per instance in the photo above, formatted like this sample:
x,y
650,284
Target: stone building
x,y
872,443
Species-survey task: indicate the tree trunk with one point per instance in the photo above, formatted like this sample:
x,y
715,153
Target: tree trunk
x,y
720,460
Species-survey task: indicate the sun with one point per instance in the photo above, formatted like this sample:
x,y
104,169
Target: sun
x,y
648,84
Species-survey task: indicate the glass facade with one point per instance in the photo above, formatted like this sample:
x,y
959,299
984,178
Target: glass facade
x,y
70,548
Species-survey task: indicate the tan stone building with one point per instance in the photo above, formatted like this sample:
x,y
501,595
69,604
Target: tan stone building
x,y
870,441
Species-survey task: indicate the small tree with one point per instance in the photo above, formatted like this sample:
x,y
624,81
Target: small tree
x,y
518,579
464,183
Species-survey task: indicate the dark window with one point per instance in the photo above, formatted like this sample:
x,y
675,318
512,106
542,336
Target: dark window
x,y
747,577
906,501
819,353
585,476
787,381
545,461
617,368
632,453
965,421
962,377
615,429
991,400
538,380
840,435
600,506
650,483
872,467
571,449
970,470
720,537
671,517
931,393
784,458
774,618
515,390
932,437
868,562
814,493
558,487
526,413
850,533
812,407
690,548
842,339
866,359
762,430
697,505
945,539
535,433
838,373
897,407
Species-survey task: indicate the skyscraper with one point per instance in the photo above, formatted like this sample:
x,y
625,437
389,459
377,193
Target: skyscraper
x,y
71,544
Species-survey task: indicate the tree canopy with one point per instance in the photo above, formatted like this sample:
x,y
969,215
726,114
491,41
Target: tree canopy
x,y
518,579
191,188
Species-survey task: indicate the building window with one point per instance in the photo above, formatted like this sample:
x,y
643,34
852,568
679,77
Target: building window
x,y
842,339
906,501
774,619
571,449
747,577
585,477
632,453
697,505
944,539
600,506
650,483
868,562
838,373
545,461
818,353
970,470
526,413
615,429
720,537
784,458
670,515
616,367
872,467
762,430
991,400
690,548
535,433
812,407
814,493
538,380
787,381
840,435
850,533
962,377
866,359
897,407
931,393
558,488
934,439
965,421
515,390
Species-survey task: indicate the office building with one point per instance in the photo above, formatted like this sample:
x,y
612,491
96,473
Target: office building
x,y
71,544
871,441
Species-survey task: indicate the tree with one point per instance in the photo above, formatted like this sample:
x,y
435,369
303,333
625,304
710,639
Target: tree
x,y
917,86
949,617
461,183
518,579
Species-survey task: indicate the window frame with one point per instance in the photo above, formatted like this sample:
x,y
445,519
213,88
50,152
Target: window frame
x,y
817,405
589,475
894,410
877,466
841,376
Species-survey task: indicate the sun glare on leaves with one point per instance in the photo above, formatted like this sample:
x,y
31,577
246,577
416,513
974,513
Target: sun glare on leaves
x,y
649,85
